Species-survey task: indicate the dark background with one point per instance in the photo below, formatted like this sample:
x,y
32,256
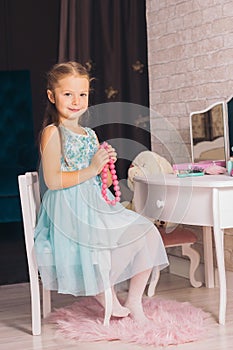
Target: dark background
x,y
111,36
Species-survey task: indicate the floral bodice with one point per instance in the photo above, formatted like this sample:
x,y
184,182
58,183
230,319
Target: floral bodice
x,y
78,150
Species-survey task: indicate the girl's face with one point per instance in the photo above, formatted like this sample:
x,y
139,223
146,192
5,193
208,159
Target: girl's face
x,y
70,97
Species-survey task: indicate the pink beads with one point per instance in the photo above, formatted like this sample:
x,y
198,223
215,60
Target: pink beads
x,y
115,181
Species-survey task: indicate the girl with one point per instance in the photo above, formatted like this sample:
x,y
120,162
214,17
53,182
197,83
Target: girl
x,y
83,244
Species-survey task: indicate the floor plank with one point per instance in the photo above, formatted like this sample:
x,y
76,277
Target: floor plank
x,y
15,320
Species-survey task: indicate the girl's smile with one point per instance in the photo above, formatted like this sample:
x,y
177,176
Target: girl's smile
x,y
70,97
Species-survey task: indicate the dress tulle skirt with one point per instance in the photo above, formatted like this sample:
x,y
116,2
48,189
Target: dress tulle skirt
x,y
84,245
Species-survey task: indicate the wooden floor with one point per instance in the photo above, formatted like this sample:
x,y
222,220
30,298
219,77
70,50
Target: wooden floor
x,y
15,326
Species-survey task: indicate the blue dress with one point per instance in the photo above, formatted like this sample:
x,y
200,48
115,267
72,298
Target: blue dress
x,y
83,245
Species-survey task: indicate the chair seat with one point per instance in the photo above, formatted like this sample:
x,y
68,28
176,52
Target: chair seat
x,y
177,237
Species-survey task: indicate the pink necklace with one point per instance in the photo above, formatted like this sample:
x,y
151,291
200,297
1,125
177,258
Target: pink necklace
x,y
115,182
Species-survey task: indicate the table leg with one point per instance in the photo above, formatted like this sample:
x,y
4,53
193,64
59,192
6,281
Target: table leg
x,y
219,248
208,256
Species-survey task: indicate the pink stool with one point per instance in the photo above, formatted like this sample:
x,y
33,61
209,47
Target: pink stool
x,y
184,238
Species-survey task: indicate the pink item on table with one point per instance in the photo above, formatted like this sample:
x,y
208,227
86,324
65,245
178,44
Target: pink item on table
x,y
215,170
202,164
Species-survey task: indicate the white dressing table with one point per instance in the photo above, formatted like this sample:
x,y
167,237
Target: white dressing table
x,y
205,201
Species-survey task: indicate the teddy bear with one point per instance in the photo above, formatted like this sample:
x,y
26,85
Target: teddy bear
x,y
147,163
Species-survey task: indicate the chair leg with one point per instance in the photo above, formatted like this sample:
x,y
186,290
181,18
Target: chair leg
x,y
46,302
103,259
153,284
194,257
108,306
35,302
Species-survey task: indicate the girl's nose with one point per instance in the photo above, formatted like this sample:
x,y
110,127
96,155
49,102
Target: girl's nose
x,y
76,100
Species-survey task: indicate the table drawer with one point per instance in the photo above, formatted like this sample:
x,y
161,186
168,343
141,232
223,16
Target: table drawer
x,y
188,205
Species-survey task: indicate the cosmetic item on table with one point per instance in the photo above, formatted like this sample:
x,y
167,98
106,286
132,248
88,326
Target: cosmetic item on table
x,y
230,166
201,168
191,172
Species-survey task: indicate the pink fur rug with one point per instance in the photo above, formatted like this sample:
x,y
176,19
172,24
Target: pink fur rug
x,y
170,322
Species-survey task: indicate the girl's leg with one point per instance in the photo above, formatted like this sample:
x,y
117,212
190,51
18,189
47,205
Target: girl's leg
x,y
134,300
117,309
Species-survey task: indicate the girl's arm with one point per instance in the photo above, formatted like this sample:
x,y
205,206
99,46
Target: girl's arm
x,y
51,161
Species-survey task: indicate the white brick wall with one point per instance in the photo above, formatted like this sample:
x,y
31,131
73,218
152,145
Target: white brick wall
x,y
190,52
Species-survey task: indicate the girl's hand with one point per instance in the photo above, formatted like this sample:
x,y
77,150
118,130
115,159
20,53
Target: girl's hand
x,y
112,153
100,158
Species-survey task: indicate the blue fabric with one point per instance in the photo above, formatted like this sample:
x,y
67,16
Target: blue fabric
x,y
84,245
18,152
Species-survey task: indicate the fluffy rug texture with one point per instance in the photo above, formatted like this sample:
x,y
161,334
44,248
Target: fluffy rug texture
x,y
170,322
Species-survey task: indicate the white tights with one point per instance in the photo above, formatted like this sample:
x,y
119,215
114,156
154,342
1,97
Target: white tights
x,y
134,300
133,304
117,309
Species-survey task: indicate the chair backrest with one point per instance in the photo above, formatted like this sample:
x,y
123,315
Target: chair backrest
x,y
30,203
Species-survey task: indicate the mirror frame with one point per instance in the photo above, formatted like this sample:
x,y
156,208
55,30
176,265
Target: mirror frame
x,y
229,104
225,129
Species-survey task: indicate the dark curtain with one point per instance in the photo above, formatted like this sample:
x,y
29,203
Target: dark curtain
x,y
29,33
29,36
109,37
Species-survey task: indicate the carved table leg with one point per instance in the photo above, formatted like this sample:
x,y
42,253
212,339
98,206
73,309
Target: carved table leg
x,y
194,257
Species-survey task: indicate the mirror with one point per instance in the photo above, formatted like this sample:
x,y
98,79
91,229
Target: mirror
x,y
230,124
209,134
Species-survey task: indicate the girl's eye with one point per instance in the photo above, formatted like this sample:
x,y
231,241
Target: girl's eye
x,y
83,94
68,94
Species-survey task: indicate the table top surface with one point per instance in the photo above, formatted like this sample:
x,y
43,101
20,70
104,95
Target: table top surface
x,y
207,181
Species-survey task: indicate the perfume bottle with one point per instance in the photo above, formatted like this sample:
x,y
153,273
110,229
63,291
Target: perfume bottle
x,y
230,166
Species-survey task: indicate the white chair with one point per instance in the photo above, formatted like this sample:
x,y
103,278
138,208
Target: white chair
x,y
30,203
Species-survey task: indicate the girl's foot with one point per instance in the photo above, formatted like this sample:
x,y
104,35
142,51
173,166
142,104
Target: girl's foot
x,y
117,309
136,311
